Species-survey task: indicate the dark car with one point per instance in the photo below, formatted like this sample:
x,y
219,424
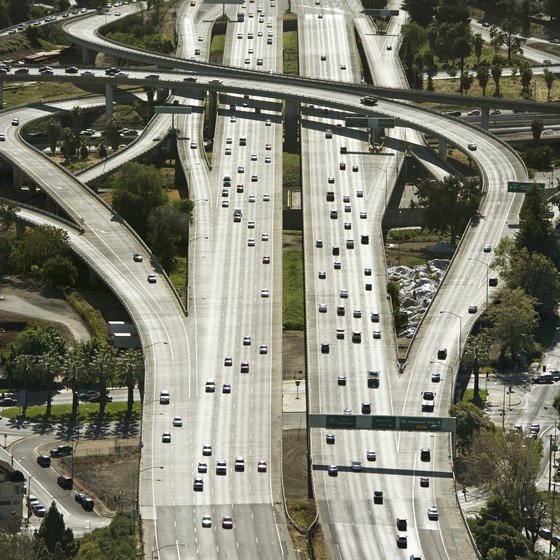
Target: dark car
x,y
61,451
44,460
65,482
88,504
80,497
71,70
97,398
8,401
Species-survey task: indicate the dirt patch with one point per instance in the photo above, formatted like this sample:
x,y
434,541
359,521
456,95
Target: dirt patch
x,y
294,464
293,355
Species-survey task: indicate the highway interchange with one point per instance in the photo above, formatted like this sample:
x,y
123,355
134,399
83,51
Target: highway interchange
x,y
226,303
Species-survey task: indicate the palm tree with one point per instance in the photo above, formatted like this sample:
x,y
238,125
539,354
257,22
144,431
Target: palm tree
x,y
53,131
526,76
23,370
549,81
496,72
77,118
73,372
103,366
483,76
113,134
476,351
129,371
49,366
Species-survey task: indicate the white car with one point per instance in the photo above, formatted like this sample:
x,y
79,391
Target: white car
x,y
253,157
206,521
251,242
433,514
202,467
265,293
268,159
261,466
263,349
343,293
207,450
177,421
266,197
371,455
246,341
166,437
322,308
267,122
264,237
252,198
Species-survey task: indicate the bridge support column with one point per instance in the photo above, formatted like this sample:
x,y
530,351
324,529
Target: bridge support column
x,y
162,94
88,56
443,149
20,229
212,112
1,94
485,119
291,129
17,176
108,102
93,279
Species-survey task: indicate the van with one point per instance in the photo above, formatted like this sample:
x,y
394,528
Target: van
x,y
356,337
330,196
335,251
401,523
373,380
366,408
65,482
442,353
325,348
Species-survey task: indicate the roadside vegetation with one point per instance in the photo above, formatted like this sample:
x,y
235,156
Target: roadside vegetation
x,y
292,285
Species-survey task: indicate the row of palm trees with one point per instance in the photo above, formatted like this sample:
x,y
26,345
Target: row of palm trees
x,y
87,364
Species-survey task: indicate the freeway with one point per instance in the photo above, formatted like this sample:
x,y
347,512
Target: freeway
x,y
225,239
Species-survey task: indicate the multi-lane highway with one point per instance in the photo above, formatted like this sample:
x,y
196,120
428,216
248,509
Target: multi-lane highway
x,y
235,292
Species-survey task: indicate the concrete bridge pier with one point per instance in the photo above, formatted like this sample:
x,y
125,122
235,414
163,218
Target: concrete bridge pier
x,y
485,119
108,102
1,94
16,178
88,56
212,112
443,149
291,125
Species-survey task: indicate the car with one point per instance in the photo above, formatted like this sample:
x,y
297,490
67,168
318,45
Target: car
x,y
227,523
198,484
346,198
228,152
340,311
251,224
425,455
8,401
264,237
152,279
137,257
15,122
164,397
97,398
252,198
366,408
340,334
378,497
376,335
266,197
487,248
442,354
518,427
319,243
239,188
228,361
389,47
268,159
250,242
322,308
71,70
177,421
40,510
360,194
495,112
206,521
474,113
239,464
202,467
344,293
61,451
244,368
363,215
241,169
26,71
32,501
341,380
547,61
330,439
424,482
79,497
194,145
322,275
221,467
261,466
265,293
493,281
402,540
332,470
337,265
232,119
87,504
357,313
473,308
371,455
206,450
347,208
267,122
347,411
356,466
436,377
225,203
166,437
433,514
534,428
226,388
472,147
263,349
44,460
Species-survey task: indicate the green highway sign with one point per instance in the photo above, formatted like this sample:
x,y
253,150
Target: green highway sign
x,y
381,13
341,421
173,109
420,424
223,1
381,123
383,422
521,186
358,122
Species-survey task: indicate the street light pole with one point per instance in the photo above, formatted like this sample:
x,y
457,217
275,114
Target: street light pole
x,y
460,328
155,553
386,181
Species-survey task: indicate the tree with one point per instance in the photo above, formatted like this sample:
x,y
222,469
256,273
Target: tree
x,y
102,367
68,141
84,150
60,272
413,39
448,204
466,82
537,128
22,370
18,546
462,47
34,33
483,76
533,272
513,319
74,371
38,339
138,189
113,134
129,370
53,532
535,229
53,130
167,230
552,8
496,554
18,11
77,118
37,246
478,43
470,421
102,150
496,71
549,81
476,351
526,77
421,12
511,25
48,367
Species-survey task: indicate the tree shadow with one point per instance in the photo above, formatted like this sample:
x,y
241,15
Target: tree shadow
x,y
126,425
